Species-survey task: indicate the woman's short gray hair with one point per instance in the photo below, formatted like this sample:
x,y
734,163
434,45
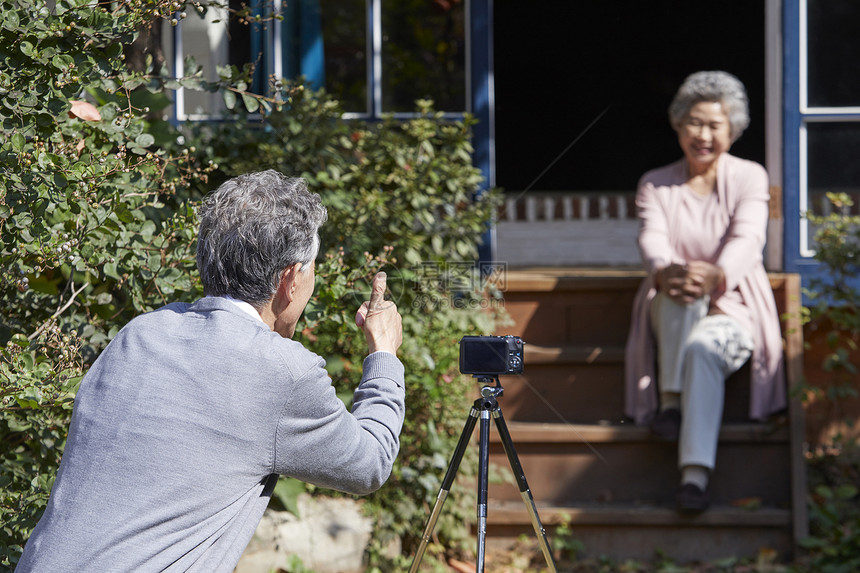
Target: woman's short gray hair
x,y
716,86
252,228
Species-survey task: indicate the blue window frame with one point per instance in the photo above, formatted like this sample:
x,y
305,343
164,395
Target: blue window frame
x,y
821,115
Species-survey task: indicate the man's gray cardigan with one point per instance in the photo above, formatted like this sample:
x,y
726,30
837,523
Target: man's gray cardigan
x,y
179,430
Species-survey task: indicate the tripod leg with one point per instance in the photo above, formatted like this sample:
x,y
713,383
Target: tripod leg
x,y
483,471
525,492
448,480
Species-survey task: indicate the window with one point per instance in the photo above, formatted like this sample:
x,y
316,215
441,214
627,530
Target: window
x,y
832,54
376,56
827,118
347,52
423,54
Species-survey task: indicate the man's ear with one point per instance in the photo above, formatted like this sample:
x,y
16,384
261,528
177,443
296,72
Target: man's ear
x,y
288,284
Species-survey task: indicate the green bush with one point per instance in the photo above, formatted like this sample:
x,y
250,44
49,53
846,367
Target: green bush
x,y
97,225
834,503
402,197
834,295
92,228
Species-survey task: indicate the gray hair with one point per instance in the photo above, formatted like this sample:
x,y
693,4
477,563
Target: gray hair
x,y
716,86
252,228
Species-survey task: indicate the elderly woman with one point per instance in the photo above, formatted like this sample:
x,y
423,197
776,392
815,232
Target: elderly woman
x,y
706,306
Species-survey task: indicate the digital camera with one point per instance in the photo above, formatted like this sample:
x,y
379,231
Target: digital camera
x,y
491,355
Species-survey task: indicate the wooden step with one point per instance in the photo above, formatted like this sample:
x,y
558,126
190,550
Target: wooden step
x,y
629,531
595,312
570,383
583,464
514,513
544,433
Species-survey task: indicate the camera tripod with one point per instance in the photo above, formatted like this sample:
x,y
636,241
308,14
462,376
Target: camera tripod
x,y
484,407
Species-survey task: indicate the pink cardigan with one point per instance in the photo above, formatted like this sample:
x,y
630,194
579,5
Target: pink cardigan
x,y
742,193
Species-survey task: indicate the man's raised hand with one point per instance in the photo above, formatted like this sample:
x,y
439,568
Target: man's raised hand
x,y
379,319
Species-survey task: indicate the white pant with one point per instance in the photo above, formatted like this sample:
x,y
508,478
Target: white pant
x,y
696,352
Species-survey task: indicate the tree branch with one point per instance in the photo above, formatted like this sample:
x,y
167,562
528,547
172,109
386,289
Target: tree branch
x,y
59,311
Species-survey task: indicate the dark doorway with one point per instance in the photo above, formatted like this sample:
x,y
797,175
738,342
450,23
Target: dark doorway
x,y
560,64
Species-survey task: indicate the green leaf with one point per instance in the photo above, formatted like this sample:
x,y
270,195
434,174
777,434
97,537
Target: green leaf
x,y
436,241
251,103
20,340
44,160
133,83
195,84
27,403
18,142
60,180
122,213
62,61
229,99
26,48
114,50
87,250
109,111
147,230
10,20
144,140
111,271
287,491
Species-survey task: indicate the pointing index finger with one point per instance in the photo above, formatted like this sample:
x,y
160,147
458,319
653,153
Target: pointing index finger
x,y
377,293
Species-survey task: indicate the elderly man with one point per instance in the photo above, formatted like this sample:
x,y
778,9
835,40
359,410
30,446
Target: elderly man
x,y
184,422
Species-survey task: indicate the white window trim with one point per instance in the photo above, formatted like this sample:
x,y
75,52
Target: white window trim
x,y
811,115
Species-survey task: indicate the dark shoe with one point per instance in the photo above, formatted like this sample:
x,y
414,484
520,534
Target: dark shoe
x,y
691,500
667,424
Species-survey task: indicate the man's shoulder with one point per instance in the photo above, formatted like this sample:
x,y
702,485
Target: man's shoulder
x,y
217,323
288,347
203,308
150,318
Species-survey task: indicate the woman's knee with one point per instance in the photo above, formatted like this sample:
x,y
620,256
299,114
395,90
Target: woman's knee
x,y
700,347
